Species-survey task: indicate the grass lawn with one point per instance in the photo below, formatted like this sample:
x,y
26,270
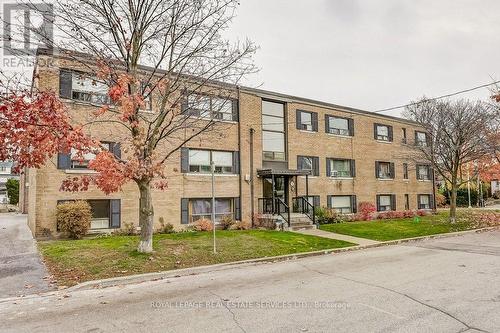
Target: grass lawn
x,y
385,230
74,261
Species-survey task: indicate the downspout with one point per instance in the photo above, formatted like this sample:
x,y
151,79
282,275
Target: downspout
x,y
252,204
239,149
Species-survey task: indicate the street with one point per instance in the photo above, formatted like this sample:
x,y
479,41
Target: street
x,y
442,285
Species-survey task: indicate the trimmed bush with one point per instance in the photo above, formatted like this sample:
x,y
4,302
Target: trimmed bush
x,y
366,210
226,222
203,225
240,225
73,218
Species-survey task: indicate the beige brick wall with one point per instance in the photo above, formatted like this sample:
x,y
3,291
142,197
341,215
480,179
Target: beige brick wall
x,y
232,136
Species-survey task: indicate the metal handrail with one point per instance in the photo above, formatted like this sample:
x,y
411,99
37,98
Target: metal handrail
x,y
302,205
276,207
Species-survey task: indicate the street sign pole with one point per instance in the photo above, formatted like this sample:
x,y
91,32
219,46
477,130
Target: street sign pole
x,y
212,167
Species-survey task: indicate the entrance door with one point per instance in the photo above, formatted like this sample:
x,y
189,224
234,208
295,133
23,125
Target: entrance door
x,y
280,188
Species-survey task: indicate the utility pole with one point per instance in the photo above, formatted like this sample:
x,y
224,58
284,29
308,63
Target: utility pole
x,y
212,168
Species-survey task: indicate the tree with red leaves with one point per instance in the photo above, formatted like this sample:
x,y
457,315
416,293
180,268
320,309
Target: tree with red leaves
x,y
181,43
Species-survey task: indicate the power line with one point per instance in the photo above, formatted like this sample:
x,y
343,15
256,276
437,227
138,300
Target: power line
x,y
436,98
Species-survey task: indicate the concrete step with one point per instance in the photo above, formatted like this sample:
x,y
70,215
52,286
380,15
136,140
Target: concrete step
x,y
295,227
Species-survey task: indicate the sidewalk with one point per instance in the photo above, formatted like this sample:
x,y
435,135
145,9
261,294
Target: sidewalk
x,y
21,269
332,235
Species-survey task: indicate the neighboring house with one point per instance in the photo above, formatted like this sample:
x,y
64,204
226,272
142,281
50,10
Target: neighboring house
x,y
5,174
495,186
276,152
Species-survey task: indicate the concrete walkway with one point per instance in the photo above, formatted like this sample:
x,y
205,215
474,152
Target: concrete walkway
x,y
332,235
21,269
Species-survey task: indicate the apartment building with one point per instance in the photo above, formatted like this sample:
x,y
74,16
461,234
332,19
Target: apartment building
x,y
275,154
5,175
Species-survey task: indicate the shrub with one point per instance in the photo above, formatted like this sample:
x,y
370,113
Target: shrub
x,y
422,212
240,225
440,200
165,228
264,221
408,213
12,186
226,222
366,210
74,218
128,229
203,225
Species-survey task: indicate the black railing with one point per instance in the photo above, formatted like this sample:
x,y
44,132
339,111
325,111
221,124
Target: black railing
x,y
303,206
275,207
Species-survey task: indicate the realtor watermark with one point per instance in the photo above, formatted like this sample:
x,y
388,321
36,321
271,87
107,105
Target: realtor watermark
x,y
27,26
277,305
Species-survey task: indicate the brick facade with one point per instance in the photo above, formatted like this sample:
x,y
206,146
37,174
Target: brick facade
x,y
235,136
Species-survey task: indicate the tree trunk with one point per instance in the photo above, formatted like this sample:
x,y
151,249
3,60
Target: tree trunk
x,y
453,203
146,218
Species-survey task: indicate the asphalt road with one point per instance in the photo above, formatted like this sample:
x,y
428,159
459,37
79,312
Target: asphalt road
x,y
444,285
21,270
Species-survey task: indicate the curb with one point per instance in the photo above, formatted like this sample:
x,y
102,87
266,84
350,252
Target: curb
x,y
132,279
139,278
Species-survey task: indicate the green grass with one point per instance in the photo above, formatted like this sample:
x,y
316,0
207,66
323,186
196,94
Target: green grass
x,y
73,261
385,230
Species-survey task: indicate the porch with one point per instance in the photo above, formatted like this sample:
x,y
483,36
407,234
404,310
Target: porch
x,y
281,197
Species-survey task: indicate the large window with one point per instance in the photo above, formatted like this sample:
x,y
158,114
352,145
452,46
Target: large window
x,y
200,160
202,209
210,107
88,89
424,201
309,163
421,139
273,131
344,204
307,121
101,216
339,126
384,170
383,132
423,172
82,162
386,202
339,168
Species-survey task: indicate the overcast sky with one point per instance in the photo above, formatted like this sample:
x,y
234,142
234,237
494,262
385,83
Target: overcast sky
x,y
372,54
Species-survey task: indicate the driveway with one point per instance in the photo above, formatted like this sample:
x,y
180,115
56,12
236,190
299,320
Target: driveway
x,y
21,270
442,285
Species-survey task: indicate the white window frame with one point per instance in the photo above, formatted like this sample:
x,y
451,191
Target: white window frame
x,y
337,173
383,208
342,209
336,130
205,169
383,137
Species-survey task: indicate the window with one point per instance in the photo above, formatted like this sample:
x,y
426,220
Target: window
x,y
202,209
407,202
308,163
273,131
386,202
82,87
423,172
384,170
210,107
339,168
307,121
339,126
383,132
403,132
82,162
420,139
199,161
424,201
343,204
405,170
100,214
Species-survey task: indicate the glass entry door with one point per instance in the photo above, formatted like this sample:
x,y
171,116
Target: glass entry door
x,y
280,188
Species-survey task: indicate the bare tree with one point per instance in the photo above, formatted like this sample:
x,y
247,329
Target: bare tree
x,y
181,42
457,133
